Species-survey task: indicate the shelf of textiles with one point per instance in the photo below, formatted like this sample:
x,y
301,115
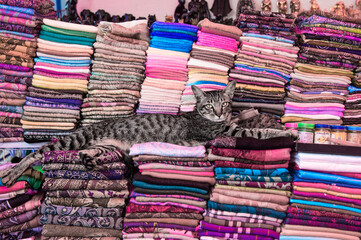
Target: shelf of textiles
x,y
211,58
265,61
325,200
118,71
19,217
330,51
81,202
252,190
20,23
170,191
61,73
166,71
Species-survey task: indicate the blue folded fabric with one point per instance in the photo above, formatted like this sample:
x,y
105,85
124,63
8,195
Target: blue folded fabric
x,y
171,30
180,26
171,44
278,39
167,187
238,177
29,11
55,100
278,73
52,105
246,209
12,109
173,35
206,82
68,41
50,59
328,205
18,33
253,172
352,89
62,63
301,175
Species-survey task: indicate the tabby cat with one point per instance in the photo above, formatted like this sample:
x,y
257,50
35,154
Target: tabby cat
x,y
211,118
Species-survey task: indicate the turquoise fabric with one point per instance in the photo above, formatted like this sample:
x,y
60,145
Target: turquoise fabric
x,y
166,187
59,40
246,209
322,204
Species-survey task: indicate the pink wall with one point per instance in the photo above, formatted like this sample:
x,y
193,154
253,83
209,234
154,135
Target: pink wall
x,y
166,7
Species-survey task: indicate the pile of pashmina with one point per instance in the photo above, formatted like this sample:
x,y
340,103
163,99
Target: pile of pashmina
x,y
251,195
267,23
352,114
118,71
211,58
330,49
19,27
170,191
264,62
60,80
166,67
326,197
19,217
81,202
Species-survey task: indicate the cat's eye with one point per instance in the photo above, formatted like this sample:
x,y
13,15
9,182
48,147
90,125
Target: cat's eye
x,y
208,106
225,104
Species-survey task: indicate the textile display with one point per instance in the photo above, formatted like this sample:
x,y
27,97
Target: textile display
x,y
265,61
329,53
166,67
19,217
118,70
81,198
211,57
170,191
17,57
248,203
58,85
325,198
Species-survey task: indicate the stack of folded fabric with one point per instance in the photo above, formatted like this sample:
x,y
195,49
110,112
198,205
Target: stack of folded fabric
x,y
325,202
117,71
330,51
19,217
352,114
19,27
251,195
211,58
60,79
170,191
166,67
263,66
82,203
267,23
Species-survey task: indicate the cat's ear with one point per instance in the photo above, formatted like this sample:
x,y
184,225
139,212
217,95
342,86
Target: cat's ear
x,y
229,89
198,93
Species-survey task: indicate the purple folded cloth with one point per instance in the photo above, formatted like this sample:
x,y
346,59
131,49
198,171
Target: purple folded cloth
x,y
158,225
38,71
53,100
14,68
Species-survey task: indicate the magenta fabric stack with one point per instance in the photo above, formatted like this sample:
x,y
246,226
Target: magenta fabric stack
x,y
211,58
166,67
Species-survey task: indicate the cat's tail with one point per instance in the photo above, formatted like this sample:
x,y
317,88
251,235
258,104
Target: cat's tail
x,y
77,140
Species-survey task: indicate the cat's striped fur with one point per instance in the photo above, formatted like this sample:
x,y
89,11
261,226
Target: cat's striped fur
x,y
212,118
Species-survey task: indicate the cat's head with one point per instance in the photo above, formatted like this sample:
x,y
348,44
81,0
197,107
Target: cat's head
x,y
215,105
